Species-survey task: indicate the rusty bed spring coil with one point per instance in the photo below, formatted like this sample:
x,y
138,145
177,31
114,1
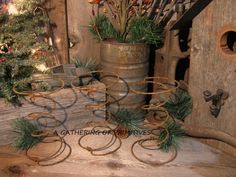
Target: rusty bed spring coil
x,y
98,105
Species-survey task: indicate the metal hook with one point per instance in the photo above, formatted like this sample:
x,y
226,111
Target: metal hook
x,y
217,100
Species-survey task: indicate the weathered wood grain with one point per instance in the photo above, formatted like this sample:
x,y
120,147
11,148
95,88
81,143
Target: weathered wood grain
x,y
212,69
194,159
56,11
79,16
77,115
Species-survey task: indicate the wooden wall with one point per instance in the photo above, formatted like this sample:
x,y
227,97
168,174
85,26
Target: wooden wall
x,y
79,14
56,11
212,69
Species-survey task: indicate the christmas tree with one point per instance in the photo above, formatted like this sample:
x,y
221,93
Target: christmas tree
x,y
23,43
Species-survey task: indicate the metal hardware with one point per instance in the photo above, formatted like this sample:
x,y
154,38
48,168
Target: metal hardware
x,y
185,20
217,100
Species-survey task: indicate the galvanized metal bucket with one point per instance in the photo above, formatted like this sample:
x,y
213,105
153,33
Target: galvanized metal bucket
x,y
131,63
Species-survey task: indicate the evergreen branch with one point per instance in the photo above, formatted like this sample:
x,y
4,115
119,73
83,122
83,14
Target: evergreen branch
x,y
175,132
23,134
144,30
102,29
179,104
130,119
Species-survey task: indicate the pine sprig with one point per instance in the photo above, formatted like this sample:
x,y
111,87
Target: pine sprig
x,y
140,30
23,134
130,119
102,29
179,104
144,30
86,63
175,132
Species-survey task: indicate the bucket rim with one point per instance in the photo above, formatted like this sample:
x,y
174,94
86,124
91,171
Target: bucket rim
x,y
114,42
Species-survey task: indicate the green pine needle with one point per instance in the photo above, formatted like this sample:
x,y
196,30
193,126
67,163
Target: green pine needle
x,y
85,63
140,30
27,5
144,30
175,133
179,104
20,35
102,29
130,119
23,130
11,72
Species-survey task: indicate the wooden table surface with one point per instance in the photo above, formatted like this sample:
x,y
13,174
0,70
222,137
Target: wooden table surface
x,y
194,160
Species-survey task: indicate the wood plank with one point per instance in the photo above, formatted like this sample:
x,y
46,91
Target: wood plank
x,y
58,20
77,115
212,69
194,159
79,16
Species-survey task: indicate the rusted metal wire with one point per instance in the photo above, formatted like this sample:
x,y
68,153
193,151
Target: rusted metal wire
x,y
110,143
46,132
48,122
45,161
36,93
141,141
163,84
